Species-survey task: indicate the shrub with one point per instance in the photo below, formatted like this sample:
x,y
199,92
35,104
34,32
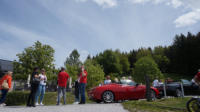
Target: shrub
x,y
20,98
146,66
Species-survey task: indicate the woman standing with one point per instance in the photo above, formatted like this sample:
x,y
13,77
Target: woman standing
x,y
35,81
6,80
42,87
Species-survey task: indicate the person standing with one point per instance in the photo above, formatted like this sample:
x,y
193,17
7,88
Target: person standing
x,y
62,83
107,81
197,78
7,78
82,84
42,87
35,81
76,91
156,83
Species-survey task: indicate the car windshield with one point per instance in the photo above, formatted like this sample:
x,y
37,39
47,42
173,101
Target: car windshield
x,y
185,81
127,82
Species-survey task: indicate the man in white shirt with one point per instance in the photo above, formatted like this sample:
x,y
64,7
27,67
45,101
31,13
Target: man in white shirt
x,y
107,81
155,83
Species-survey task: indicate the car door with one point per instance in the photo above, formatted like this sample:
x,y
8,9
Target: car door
x,y
121,92
135,92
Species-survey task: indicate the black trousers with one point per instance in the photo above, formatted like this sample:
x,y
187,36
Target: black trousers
x,y
31,98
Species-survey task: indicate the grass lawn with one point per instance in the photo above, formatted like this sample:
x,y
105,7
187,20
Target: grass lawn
x,y
162,105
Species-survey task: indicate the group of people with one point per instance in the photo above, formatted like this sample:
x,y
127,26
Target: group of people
x,y
38,84
116,80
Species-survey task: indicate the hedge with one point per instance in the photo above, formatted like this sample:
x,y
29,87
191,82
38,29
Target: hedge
x,y
20,98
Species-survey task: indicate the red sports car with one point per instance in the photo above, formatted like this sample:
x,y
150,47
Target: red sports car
x,y
126,90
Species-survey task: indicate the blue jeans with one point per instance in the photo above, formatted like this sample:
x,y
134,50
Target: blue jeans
x,y
40,92
61,90
82,92
3,95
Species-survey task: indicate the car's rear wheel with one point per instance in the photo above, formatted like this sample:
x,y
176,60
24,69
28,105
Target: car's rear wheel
x,y
108,97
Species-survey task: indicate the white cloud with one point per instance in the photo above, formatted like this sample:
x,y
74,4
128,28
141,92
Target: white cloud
x,y
106,3
139,1
188,19
102,3
175,3
146,1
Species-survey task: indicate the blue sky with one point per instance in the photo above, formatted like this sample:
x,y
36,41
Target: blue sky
x,y
91,26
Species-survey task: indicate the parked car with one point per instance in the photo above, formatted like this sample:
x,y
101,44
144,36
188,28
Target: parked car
x,y
125,90
174,88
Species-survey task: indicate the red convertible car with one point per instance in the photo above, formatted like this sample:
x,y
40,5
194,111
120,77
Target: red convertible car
x,y
126,90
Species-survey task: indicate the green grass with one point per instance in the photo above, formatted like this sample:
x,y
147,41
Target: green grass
x,y
20,98
162,105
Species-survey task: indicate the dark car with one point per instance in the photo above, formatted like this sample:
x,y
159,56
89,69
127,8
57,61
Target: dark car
x,y
174,88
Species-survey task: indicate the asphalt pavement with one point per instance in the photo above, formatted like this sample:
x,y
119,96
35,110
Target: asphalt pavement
x,y
115,107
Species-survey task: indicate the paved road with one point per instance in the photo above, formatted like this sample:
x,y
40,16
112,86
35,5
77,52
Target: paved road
x,y
67,108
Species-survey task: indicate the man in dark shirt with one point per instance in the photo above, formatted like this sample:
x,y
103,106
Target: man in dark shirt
x,y
34,87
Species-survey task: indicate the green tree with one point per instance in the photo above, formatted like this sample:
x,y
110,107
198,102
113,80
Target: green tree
x,y
160,58
73,58
95,73
73,64
38,55
125,65
110,61
146,66
142,52
184,54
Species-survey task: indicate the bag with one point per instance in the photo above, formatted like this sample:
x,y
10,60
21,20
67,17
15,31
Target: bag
x,y
35,80
5,85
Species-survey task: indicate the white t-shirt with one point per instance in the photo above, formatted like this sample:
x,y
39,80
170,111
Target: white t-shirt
x,y
155,83
107,81
43,79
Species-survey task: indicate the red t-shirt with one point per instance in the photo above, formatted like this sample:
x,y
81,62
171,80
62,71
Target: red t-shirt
x,y
198,76
62,79
9,80
83,79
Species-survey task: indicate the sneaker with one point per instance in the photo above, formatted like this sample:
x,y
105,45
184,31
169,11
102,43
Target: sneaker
x,y
2,104
41,104
82,103
36,104
75,102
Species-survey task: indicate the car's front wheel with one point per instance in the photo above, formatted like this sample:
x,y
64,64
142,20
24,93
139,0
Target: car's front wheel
x,y
108,97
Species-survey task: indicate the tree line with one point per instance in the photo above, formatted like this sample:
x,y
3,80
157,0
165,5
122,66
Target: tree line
x,y
181,57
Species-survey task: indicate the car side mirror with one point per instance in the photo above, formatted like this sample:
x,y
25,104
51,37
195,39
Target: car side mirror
x,y
137,85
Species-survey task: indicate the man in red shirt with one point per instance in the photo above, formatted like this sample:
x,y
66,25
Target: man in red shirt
x,y
62,83
197,77
82,82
